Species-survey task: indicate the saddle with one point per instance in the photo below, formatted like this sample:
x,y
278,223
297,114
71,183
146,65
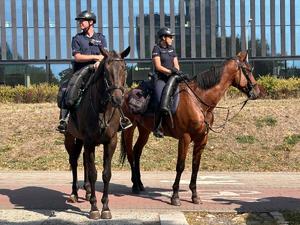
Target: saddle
x,y
142,99
72,90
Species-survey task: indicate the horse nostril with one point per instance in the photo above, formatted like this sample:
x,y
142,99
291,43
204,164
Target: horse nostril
x,y
117,101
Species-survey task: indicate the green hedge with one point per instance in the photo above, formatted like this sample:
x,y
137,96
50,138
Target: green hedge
x,y
274,88
33,94
271,86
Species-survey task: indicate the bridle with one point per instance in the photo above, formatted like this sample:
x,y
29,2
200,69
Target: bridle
x,y
249,90
110,87
246,69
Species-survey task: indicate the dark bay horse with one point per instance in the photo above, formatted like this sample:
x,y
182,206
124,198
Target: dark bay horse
x,y
95,122
192,119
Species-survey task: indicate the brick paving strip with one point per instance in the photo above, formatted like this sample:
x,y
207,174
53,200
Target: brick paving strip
x,y
219,192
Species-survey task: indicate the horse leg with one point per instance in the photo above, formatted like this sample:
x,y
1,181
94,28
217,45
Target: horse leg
x,y
73,147
92,177
127,137
109,149
199,145
86,185
137,152
183,145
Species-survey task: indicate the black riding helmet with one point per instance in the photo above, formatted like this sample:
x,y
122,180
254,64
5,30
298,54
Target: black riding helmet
x,y
86,15
165,31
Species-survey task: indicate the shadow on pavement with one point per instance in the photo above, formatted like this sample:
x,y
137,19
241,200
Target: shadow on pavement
x,y
268,204
118,190
32,197
90,222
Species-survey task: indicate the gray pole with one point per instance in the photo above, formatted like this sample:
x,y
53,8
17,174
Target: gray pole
x,y
249,25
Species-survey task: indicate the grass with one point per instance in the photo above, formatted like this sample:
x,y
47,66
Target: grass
x,y
245,139
292,217
292,139
266,121
197,218
28,140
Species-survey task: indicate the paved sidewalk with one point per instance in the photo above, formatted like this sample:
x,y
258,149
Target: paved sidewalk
x,y
42,195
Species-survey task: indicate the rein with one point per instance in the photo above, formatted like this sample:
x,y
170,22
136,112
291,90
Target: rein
x,y
108,89
227,119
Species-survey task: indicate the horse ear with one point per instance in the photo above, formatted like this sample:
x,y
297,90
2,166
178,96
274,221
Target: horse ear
x,y
243,56
103,51
125,52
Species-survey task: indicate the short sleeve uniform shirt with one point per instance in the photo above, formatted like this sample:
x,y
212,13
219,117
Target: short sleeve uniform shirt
x,y
87,46
166,55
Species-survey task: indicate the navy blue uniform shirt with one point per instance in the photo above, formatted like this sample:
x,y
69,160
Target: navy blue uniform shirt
x,y
87,46
166,55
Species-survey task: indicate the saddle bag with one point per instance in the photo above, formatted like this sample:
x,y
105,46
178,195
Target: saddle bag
x,y
138,103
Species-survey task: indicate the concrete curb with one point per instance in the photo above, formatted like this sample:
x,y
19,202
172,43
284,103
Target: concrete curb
x,y
173,218
69,217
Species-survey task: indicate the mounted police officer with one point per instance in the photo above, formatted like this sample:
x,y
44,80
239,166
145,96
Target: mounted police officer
x,y
87,57
167,69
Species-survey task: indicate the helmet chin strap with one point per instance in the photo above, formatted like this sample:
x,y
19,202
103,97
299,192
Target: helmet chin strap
x,y
165,42
85,30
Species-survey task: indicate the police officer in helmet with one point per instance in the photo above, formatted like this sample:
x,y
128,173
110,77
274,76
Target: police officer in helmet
x,y
166,66
86,53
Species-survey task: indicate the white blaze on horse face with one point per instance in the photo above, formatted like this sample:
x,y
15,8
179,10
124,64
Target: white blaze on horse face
x,y
240,79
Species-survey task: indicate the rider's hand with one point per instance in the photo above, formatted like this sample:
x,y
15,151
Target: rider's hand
x,y
96,65
99,58
182,77
174,71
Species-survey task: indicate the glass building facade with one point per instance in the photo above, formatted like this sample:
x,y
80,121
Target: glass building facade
x,y
36,34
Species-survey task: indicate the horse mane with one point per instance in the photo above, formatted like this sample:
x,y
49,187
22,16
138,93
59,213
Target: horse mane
x,y
211,77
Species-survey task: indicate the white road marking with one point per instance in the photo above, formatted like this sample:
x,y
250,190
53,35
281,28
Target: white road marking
x,y
206,180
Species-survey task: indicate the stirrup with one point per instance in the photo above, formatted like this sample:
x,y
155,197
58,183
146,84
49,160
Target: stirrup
x,y
158,133
62,127
125,123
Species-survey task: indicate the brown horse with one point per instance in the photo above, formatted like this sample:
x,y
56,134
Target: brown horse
x,y
192,119
95,122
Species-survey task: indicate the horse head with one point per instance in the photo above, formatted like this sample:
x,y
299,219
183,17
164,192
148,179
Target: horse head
x,y
115,73
244,79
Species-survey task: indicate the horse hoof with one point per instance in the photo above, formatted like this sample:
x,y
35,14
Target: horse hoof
x,y
135,190
196,200
106,214
175,201
88,196
94,215
72,199
141,187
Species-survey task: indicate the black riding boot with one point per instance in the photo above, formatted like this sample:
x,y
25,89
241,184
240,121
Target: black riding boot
x,y
164,105
167,93
63,120
157,129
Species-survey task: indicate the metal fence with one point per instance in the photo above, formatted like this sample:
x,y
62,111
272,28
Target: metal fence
x,y
39,32
39,29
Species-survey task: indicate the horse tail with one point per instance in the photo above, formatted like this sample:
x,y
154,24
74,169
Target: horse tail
x,y
123,152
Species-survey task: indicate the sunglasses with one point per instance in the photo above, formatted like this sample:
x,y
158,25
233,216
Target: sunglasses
x,y
81,20
171,37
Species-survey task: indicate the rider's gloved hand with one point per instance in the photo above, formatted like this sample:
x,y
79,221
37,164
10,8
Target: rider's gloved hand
x,y
181,76
174,71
